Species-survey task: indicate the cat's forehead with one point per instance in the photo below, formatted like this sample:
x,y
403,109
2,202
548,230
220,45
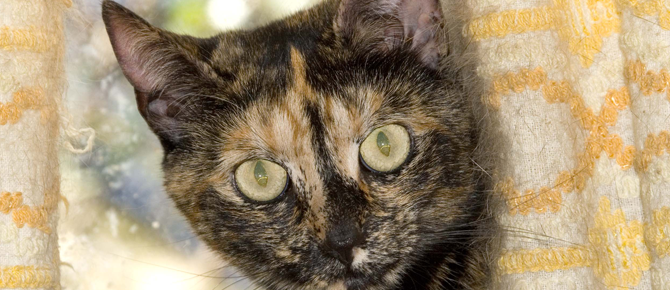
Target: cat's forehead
x,y
262,56
287,118
287,126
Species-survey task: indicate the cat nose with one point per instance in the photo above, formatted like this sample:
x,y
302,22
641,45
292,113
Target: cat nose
x,y
341,239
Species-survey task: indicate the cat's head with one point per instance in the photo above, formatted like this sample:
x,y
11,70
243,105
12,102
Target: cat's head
x,y
330,149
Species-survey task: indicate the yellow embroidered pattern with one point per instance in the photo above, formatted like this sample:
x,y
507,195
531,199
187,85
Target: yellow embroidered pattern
x,y
649,82
10,201
582,23
653,145
545,199
548,260
616,251
22,100
36,217
25,277
658,232
599,140
649,8
513,21
31,38
618,247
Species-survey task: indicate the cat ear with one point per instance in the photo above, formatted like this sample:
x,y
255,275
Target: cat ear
x,y
162,67
389,24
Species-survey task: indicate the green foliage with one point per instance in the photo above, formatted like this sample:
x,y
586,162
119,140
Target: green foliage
x,y
188,17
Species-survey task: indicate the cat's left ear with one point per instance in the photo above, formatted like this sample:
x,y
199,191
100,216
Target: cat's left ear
x,y
390,24
165,69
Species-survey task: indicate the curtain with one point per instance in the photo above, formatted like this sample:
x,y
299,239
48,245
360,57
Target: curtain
x,y
576,95
31,85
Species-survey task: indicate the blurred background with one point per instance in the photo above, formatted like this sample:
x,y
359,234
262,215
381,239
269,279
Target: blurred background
x,y
120,231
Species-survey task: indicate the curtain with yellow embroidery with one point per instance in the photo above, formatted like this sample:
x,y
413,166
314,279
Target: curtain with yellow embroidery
x,y
31,85
579,95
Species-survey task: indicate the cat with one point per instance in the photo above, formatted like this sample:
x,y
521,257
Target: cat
x,y
331,149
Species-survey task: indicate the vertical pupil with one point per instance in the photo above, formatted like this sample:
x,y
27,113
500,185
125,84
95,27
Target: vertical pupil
x,y
260,174
383,143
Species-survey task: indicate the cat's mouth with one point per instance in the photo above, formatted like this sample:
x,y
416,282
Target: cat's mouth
x,y
360,281
363,273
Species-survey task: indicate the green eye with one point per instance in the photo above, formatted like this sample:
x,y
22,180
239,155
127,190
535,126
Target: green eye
x,y
260,180
386,148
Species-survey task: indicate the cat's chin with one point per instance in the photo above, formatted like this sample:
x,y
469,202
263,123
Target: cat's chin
x,y
358,278
355,284
361,283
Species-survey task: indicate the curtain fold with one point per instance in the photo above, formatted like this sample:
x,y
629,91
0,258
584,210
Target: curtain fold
x,y
577,95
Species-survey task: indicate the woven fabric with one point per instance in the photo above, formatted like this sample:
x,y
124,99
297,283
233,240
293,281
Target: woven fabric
x,y
31,84
579,92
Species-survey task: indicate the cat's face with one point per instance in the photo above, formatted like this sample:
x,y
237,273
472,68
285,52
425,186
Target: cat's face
x,y
302,95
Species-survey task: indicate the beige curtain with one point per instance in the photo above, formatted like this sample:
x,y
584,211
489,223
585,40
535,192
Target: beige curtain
x,y
31,85
577,93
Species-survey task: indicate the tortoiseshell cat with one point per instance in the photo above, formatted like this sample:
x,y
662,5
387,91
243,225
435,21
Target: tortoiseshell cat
x,y
328,150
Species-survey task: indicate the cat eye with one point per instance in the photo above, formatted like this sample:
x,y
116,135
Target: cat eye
x,y
386,148
260,180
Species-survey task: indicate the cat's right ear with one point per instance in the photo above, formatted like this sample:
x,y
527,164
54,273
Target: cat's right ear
x,y
160,65
390,24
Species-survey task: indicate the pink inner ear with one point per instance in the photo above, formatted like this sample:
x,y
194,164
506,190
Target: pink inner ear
x,y
128,47
421,20
129,34
123,48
